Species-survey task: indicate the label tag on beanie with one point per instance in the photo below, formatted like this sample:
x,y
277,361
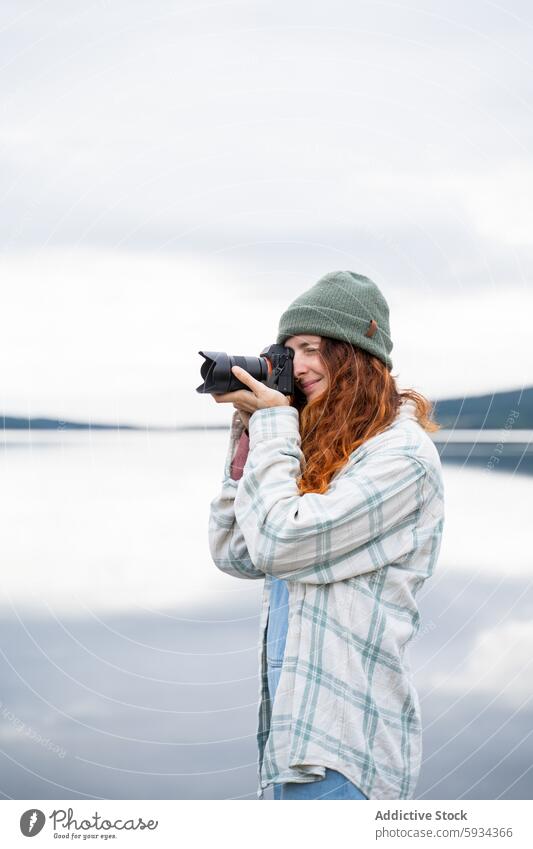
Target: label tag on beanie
x,y
372,327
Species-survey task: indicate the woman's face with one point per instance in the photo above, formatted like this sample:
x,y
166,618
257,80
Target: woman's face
x,y
309,369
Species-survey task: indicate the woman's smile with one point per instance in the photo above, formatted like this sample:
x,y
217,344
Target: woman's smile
x,y
311,383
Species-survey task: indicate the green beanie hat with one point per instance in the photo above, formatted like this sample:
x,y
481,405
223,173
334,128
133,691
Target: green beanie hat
x,y
342,305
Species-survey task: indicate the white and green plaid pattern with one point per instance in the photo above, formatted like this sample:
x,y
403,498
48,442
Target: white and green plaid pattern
x,y
353,559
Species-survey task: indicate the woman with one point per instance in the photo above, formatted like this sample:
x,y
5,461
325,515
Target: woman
x,y
335,498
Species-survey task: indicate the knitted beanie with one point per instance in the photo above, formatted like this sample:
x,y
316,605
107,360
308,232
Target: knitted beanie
x,y
342,305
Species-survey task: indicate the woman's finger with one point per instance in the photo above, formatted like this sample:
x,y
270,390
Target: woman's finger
x,y
241,396
246,378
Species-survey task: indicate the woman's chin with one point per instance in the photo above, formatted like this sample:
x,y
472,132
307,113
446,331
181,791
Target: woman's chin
x,y
316,393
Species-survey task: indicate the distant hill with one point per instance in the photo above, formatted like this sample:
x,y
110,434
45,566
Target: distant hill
x,y
488,411
21,423
41,423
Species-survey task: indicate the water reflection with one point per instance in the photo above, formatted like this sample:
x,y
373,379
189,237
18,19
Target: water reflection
x,y
129,663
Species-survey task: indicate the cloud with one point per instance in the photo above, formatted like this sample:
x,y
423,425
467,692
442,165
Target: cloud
x,y
173,178
118,523
486,513
181,124
499,664
115,335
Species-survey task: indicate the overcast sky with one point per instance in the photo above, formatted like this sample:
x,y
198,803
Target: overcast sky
x,y
173,174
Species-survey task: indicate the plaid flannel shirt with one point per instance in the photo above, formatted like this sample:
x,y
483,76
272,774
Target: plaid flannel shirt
x,y
353,558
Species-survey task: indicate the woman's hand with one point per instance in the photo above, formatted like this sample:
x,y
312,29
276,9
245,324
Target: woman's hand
x,y
244,416
260,397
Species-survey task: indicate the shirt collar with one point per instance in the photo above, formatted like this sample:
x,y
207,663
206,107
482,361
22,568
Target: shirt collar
x,y
407,410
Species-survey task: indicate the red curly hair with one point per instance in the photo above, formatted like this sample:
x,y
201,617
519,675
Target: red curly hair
x,y
361,400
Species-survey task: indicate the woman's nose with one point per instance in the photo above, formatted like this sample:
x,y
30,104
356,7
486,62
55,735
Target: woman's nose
x,y
298,366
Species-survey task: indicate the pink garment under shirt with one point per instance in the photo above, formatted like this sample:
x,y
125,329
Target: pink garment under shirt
x,y
239,460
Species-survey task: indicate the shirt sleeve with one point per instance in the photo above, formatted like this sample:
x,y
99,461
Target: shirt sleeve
x,y
366,519
226,541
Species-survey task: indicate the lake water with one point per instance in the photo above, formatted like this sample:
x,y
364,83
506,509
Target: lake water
x,y
129,662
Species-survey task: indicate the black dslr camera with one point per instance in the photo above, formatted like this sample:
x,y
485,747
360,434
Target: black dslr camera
x,y
273,368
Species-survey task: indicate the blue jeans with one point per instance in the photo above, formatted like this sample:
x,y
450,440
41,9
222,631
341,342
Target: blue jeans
x,y
334,785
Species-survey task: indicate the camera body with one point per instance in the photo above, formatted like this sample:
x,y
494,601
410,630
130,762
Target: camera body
x,y
273,367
